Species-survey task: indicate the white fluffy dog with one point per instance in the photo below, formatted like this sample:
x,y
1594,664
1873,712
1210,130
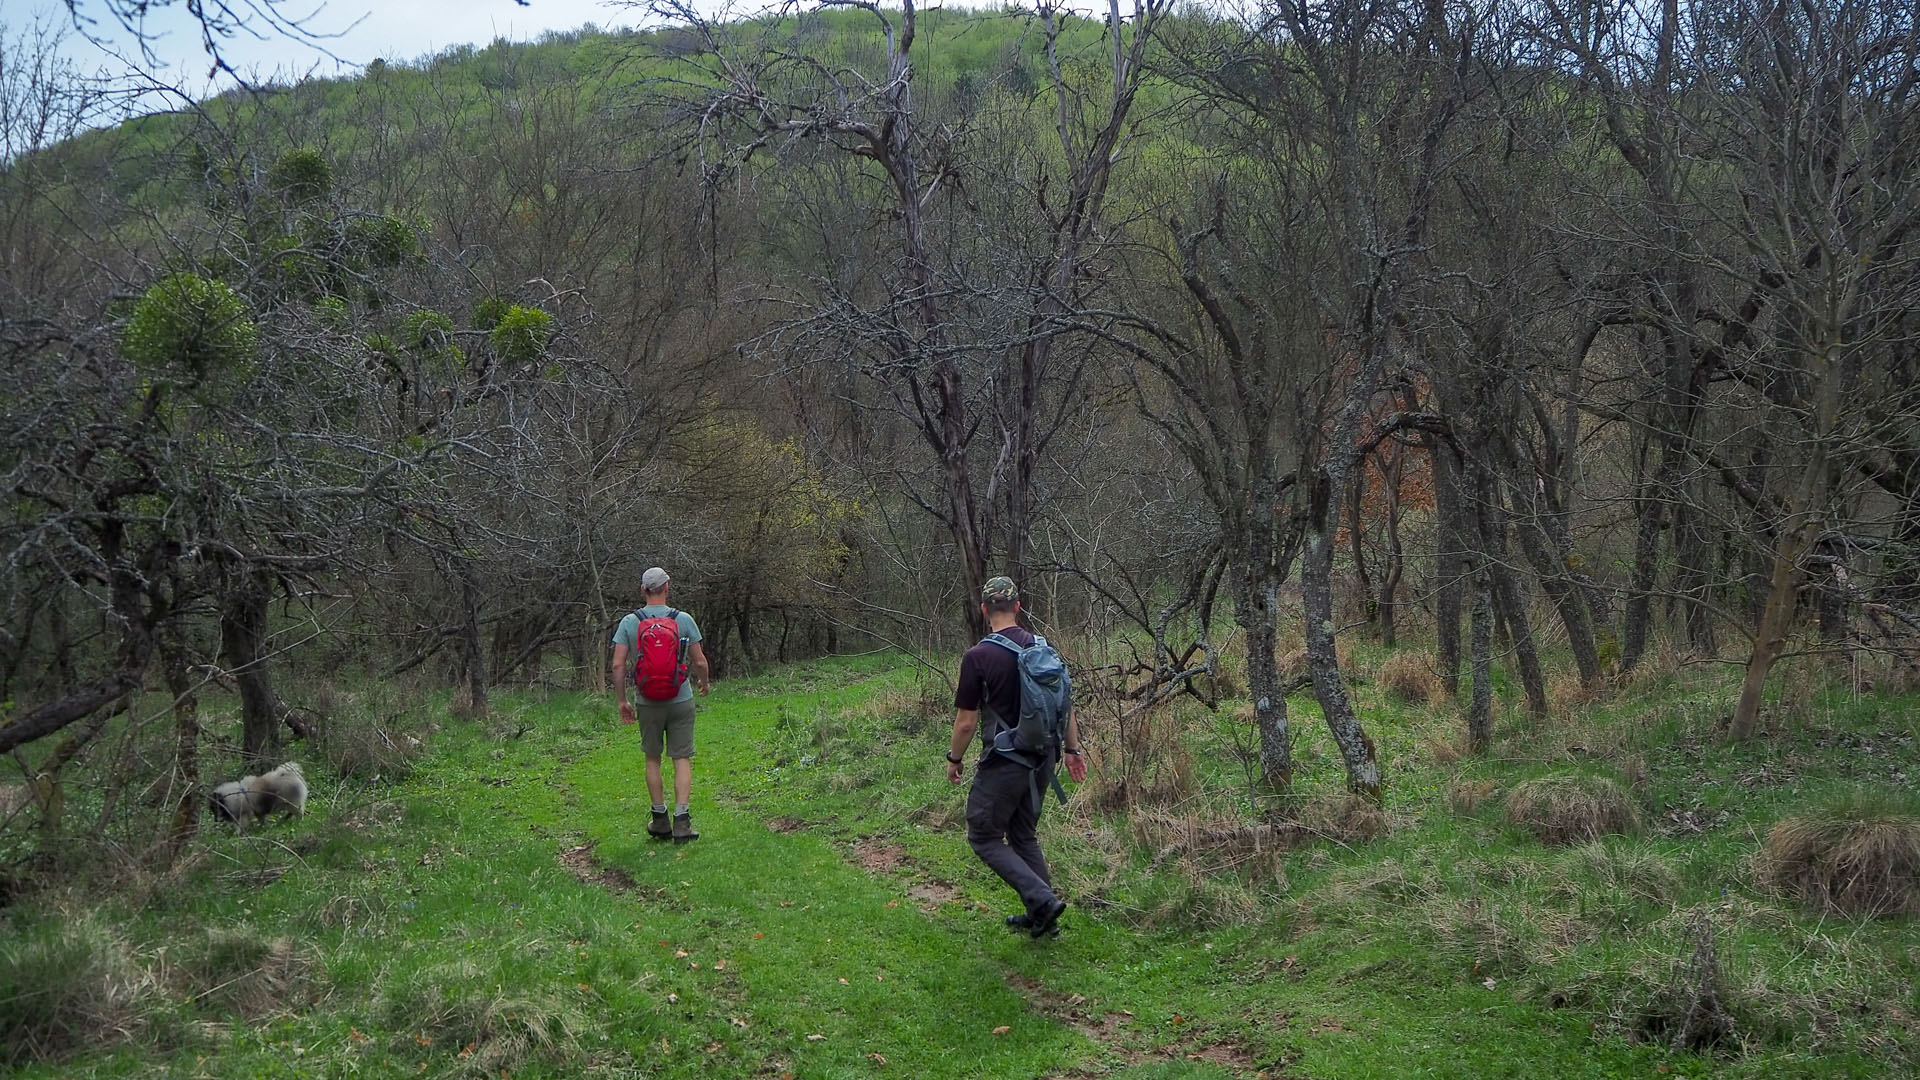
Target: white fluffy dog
x,y
252,798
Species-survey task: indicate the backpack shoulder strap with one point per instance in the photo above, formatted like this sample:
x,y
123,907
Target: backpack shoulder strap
x,y
1003,641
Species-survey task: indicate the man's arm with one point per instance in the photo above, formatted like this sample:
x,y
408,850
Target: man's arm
x,y
621,673
697,665
1076,761
965,721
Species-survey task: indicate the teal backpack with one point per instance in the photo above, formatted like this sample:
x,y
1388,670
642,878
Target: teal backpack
x,y
1035,738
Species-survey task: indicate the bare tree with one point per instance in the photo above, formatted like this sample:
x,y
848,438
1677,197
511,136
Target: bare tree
x,y
942,338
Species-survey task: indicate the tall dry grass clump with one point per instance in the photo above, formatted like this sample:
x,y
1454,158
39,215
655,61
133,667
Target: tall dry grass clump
x,y
1572,809
68,988
1860,856
916,709
1142,757
1410,676
248,973
1343,818
456,1008
361,734
1203,871
1205,846
1465,795
1566,694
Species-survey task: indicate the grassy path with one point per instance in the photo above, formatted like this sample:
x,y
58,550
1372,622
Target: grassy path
x,y
785,955
820,933
502,913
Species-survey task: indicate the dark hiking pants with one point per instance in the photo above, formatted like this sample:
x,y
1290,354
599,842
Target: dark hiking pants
x,y
1000,826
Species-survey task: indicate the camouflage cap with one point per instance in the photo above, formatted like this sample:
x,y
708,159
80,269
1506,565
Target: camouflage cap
x,y
998,590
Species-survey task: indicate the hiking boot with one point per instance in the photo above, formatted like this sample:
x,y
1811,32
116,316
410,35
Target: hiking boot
x,y
683,829
1024,922
1046,922
661,826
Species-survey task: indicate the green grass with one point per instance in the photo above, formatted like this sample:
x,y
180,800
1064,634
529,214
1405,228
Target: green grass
x,y
433,928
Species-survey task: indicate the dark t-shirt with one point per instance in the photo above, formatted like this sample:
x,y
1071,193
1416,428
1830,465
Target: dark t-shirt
x,y
990,681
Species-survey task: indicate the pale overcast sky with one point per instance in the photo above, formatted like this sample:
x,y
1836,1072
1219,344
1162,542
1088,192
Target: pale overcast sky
x,y
355,31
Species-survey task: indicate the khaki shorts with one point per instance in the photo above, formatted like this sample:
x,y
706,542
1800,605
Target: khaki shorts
x,y
666,721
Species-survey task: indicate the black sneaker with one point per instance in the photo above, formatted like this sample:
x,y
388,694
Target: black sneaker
x,y
683,829
1046,922
1024,924
661,827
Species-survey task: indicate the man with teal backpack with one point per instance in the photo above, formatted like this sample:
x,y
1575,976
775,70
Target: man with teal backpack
x,y
1020,685
658,649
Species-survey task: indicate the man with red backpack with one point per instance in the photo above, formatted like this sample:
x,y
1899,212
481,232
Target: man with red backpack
x,y
657,648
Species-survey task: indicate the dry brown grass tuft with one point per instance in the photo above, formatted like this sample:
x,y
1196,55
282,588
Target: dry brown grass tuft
x,y
1346,819
1572,809
1142,759
1464,796
939,816
1410,676
914,710
1661,661
68,988
1886,673
1369,891
1633,769
249,974
1206,846
1795,705
1291,655
1444,749
1485,936
496,1031
1293,665
1566,695
1854,859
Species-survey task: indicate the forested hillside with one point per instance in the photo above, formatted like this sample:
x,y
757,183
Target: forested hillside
x,y
1386,405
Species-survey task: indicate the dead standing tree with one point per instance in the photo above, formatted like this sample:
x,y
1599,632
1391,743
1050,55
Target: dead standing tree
x,y
1090,135
927,334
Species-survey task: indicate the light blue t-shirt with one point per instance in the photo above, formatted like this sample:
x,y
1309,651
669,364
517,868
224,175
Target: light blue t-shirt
x,y
628,634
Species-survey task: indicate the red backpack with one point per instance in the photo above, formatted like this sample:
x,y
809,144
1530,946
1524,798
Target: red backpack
x,y
660,661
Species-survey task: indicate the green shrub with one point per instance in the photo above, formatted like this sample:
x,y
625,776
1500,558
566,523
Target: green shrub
x,y
330,312
427,331
488,312
190,325
522,334
300,175
384,241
